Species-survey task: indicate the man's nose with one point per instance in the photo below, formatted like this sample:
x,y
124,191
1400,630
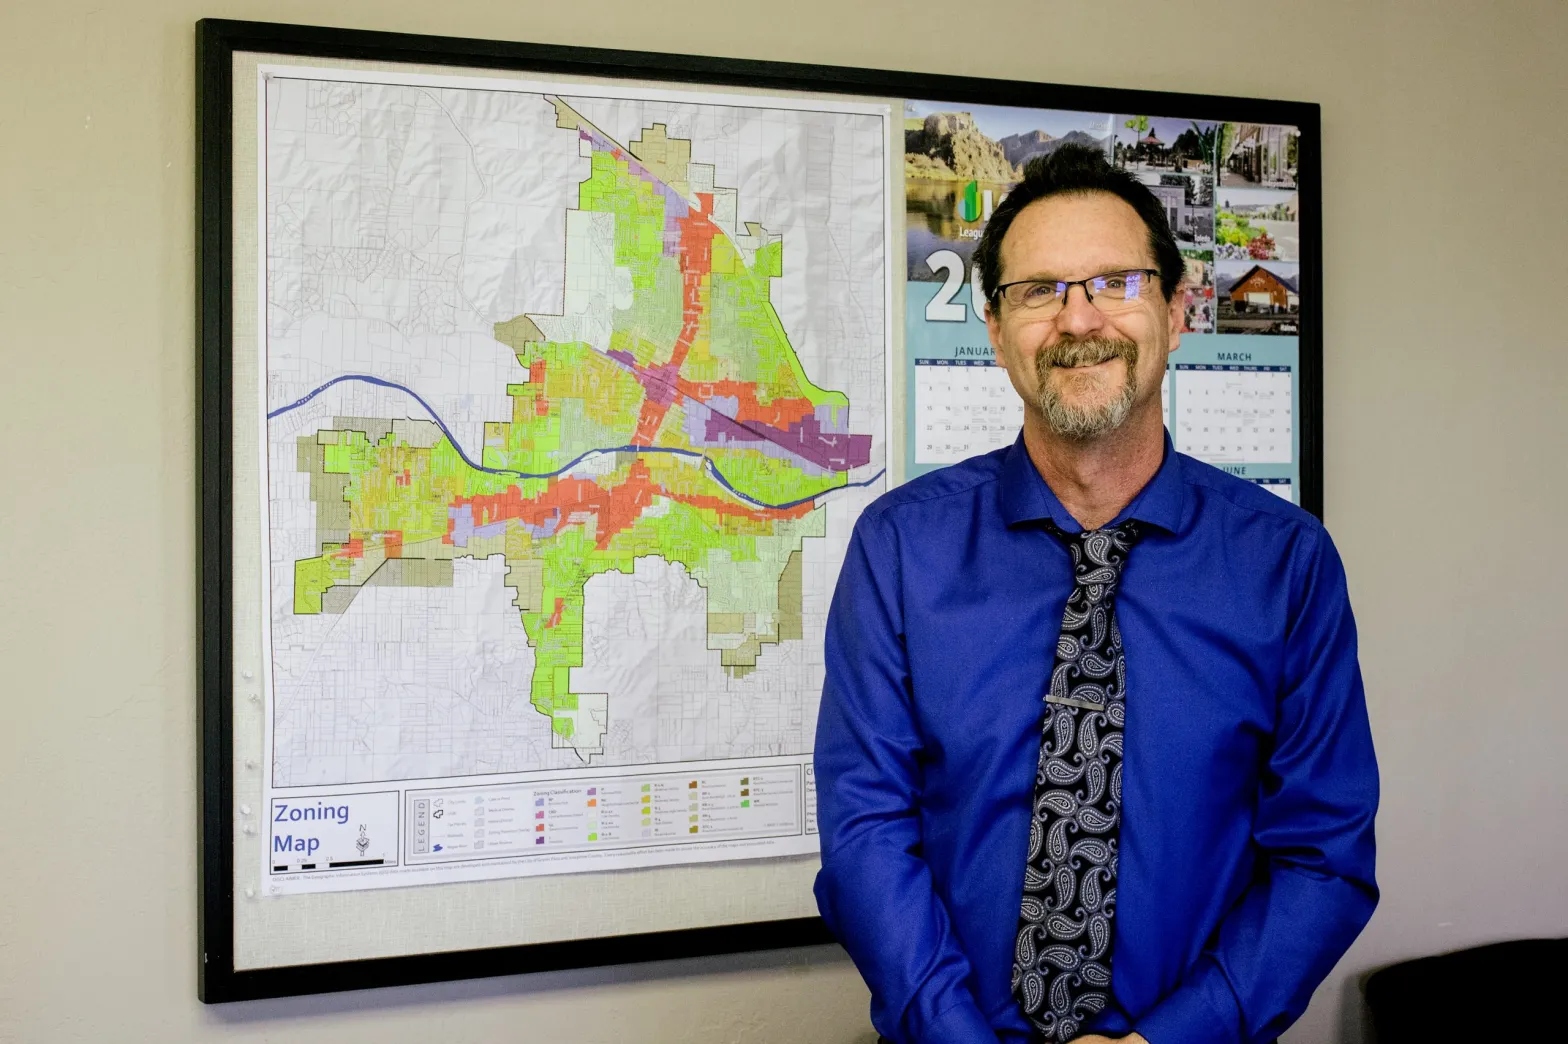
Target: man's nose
x,y
1078,316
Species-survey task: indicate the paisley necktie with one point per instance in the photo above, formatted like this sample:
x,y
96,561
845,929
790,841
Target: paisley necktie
x,y
1062,957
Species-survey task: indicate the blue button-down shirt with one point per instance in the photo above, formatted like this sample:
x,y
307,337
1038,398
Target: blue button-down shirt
x,y
1249,783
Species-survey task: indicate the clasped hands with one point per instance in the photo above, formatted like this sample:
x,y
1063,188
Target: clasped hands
x,y
1095,1038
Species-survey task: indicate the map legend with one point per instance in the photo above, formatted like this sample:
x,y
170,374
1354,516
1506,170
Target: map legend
x,y
505,821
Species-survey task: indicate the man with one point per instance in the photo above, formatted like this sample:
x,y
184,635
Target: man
x,y
1007,630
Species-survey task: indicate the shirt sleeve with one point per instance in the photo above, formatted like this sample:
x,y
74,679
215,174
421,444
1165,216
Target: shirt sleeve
x,y
875,889
1314,890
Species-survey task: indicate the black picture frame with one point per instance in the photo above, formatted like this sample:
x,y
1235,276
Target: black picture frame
x,y
217,41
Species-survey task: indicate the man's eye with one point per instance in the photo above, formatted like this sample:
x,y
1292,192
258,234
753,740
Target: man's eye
x,y
1115,282
1039,291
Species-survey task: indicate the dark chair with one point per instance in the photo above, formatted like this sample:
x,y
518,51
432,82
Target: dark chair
x,y
1513,987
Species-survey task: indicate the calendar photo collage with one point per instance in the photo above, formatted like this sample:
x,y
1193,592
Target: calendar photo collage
x,y
1230,193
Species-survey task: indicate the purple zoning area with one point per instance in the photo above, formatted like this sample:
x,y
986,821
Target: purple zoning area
x,y
464,530
819,440
658,382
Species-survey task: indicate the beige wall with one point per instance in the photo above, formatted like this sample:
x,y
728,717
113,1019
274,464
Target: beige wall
x,y
1446,372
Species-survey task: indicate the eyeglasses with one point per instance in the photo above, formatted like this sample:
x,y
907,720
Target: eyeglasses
x,y
1111,292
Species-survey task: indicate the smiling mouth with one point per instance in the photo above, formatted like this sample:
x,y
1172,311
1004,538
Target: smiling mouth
x,y
1086,369
1086,354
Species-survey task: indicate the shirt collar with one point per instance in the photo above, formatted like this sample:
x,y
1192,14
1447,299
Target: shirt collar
x,y
1026,497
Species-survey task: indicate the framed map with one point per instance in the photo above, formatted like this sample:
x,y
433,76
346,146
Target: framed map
x,y
540,389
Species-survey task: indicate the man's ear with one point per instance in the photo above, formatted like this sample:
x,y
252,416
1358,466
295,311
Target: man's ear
x,y
1177,315
993,329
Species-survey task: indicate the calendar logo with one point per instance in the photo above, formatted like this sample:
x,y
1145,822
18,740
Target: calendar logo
x,y
975,203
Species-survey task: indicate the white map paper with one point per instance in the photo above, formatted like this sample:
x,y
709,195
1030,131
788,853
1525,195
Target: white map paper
x,y
573,397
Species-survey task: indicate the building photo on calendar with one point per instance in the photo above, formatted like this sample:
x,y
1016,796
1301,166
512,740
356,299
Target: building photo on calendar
x,y
1259,297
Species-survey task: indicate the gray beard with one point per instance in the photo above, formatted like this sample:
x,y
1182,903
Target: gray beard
x,y
1082,423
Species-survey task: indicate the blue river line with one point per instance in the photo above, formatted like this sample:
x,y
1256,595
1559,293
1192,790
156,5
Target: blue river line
x,y
707,462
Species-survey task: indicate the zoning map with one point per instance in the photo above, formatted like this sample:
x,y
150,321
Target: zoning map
x,y
571,399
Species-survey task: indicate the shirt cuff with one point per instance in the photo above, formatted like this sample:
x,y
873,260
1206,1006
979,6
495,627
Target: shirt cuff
x,y
1202,1010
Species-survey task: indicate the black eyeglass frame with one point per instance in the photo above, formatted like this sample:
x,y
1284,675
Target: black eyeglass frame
x,y
1064,286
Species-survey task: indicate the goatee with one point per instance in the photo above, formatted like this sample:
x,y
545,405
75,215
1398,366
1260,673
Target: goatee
x,y
1081,423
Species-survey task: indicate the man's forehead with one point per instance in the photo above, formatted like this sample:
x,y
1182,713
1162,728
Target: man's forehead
x,y
1073,232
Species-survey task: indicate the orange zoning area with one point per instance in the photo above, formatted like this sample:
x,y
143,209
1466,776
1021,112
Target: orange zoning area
x,y
613,509
696,254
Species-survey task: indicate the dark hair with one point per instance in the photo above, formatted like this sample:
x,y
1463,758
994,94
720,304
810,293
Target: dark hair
x,y
1077,169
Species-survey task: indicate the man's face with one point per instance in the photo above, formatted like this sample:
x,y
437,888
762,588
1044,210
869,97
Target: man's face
x,y
1083,371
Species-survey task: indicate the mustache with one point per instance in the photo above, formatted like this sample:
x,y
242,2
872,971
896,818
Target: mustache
x,y
1087,351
